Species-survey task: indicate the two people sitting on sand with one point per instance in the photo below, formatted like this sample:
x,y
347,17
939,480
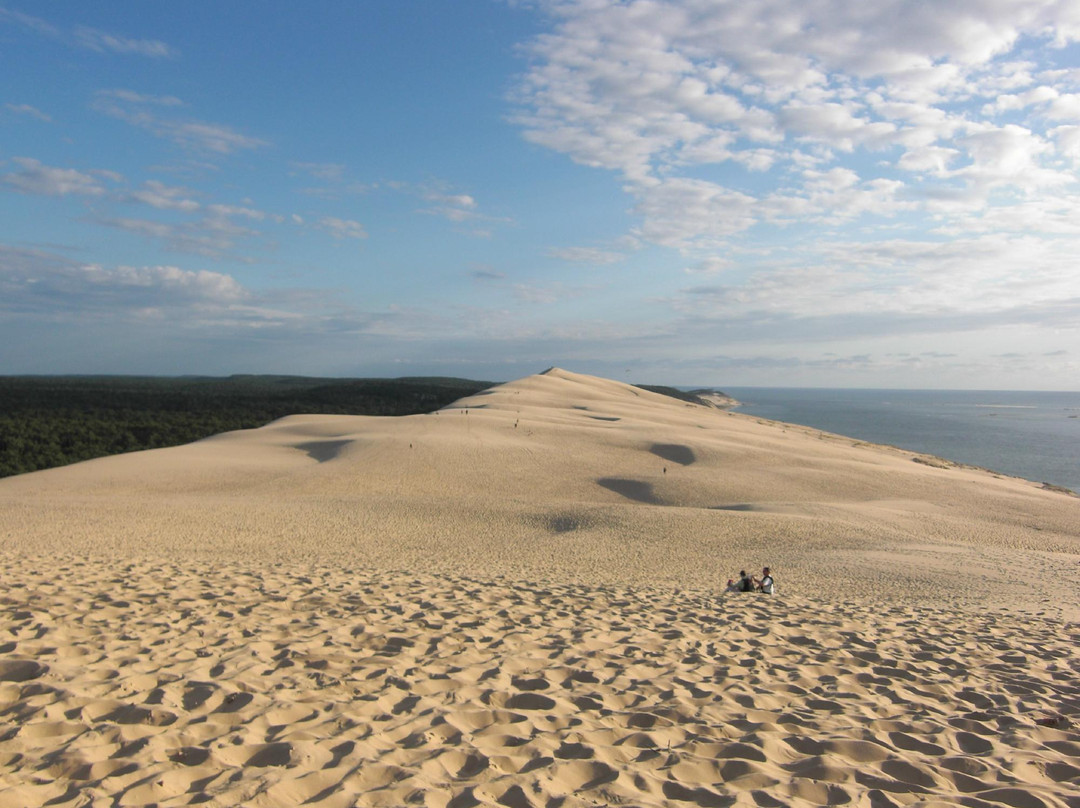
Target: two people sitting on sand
x,y
748,583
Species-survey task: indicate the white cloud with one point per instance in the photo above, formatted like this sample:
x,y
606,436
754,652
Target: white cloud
x,y
1067,140
34,23
163,197
35,282
36,178
168,280
203,136
1018,101
921,103
145,112
103,41
342,228
455,207
213,236
1064,108
119,95
215,233
850,289
836,125
1008,155
682,212
928,160
236,210
835,196
28,111
91,38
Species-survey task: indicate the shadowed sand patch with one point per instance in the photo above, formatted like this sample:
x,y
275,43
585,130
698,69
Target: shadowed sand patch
x,y
567,522
20,670
636,490
675,452
323,450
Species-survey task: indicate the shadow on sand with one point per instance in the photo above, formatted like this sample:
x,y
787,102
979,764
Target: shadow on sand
x,y
636,490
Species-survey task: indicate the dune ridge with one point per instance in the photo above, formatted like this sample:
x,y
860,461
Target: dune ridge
x,y
517,601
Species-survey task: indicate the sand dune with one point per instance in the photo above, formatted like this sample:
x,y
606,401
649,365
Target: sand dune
x,y
516,601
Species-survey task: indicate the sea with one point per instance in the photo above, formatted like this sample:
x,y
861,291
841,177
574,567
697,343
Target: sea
x,y
1034,435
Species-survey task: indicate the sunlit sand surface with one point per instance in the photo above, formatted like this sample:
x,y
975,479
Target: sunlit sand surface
x,y
518,601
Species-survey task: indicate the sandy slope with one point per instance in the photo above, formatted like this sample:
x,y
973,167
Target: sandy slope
x,y
515,601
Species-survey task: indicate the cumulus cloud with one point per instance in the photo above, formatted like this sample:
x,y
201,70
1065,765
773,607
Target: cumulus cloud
x,y
33,177
1067,141
168,280
917,103
43,289
39,283
684,212
164,197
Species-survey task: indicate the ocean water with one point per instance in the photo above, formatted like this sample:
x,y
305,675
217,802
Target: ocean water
x,y
1035,435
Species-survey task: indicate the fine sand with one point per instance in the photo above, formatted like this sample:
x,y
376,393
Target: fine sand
x,y
518,601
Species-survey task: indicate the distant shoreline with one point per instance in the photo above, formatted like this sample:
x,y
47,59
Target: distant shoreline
x,y
1031,435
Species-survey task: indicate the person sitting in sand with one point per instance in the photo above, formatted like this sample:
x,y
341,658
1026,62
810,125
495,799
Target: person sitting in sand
x,y
766,584
744,584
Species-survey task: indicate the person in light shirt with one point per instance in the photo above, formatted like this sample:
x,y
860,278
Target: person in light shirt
x,y
766,584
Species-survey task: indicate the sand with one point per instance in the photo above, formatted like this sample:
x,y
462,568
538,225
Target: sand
x,y
518,601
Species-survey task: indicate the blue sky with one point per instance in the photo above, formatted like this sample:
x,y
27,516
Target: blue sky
x,y
788,192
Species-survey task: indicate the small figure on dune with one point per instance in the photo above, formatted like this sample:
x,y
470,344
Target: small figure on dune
x,y
766,584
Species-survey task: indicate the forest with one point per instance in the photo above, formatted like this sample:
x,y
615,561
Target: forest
x,y
48,421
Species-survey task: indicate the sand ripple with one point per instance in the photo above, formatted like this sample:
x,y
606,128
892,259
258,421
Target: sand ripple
x,y
170,683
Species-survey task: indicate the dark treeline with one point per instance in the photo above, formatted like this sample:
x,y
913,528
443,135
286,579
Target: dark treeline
x,y
55,420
